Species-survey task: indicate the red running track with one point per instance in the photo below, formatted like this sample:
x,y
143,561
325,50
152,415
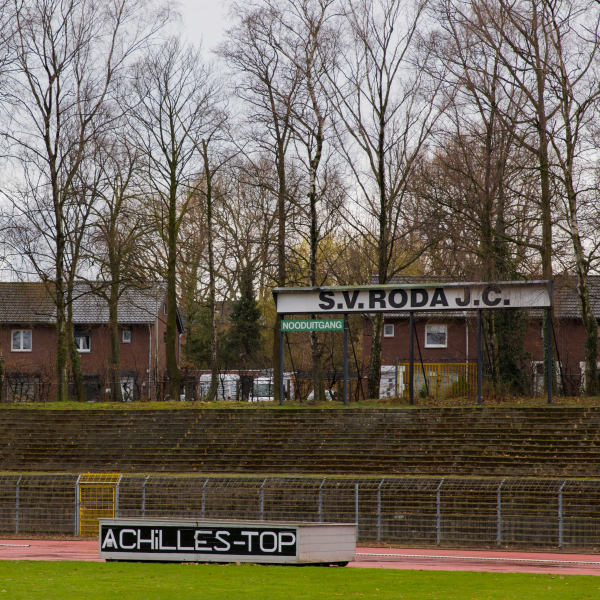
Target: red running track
x,y
380,558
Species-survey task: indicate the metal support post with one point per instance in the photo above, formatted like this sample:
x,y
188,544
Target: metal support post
x,y
379,510
356,507
411,366
549,353
560,515
17,504
204,498
144,496
479,359
397,389
346,325
320,508
499,513
262,500
438,504
281,361
77,501
117,496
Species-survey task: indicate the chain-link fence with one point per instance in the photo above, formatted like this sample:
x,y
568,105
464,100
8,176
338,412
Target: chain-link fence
x,y
468,512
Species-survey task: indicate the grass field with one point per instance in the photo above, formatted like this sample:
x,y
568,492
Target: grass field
x,y
508,401
32,580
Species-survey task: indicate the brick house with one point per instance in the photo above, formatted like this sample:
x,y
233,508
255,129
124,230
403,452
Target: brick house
x,y
446,343
28,341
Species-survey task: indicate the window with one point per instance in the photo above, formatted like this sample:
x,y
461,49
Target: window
x,y
165,337
436,336
388,331
126,336
165,308
21,340
23,389
83,341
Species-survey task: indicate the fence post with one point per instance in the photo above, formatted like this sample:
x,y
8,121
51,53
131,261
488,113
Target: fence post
x,y
560,515
262,500
17,504
439,512
356,507
77,505
144,496
117,496
499,513
321,500
204,498
379,493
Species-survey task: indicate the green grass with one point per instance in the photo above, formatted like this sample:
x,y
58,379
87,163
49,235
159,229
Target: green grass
x,y
506,401
31,580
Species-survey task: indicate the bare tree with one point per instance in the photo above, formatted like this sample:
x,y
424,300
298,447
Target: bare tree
x,y
172,111
573,37
516,34
118,233
69,54
306,36
267,86
388,110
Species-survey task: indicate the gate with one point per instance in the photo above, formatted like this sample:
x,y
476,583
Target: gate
x,y
97,497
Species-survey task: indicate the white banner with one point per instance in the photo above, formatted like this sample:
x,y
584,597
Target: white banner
x,y
390,298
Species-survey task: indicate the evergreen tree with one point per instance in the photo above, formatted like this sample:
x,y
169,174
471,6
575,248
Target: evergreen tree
x,y
243,342
510,326
197,345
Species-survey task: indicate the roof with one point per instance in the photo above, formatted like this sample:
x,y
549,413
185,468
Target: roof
x,y
566,301
33,303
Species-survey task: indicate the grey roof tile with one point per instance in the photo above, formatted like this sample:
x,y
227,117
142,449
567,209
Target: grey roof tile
x,y
32,303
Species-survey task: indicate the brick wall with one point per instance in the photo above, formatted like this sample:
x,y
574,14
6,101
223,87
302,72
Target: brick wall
x,y
570,341
40,362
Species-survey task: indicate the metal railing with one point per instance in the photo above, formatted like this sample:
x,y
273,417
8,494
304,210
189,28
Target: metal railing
x,y
430,379
468,512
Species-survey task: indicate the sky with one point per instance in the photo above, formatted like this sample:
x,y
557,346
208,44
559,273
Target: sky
x,y
203,19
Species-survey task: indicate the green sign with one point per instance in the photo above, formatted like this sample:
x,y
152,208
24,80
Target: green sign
x,y
312,325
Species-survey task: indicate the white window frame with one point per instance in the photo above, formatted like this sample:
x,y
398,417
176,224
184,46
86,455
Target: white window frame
x,y
388,335
165,308
123,335
427,345
85,350
20,331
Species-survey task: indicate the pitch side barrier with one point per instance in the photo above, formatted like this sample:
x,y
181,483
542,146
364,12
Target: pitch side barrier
x,y
414,298
174,540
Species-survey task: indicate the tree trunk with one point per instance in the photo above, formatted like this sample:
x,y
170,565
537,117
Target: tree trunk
x,y
315,345
317,364
171,349
62,347
214,364
114,359
2,398
281,270
374,377
589,321
76,372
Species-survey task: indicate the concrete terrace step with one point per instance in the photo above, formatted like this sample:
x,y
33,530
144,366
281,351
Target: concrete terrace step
x,y
486,441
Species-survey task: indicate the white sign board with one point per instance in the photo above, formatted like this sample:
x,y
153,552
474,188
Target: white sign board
x,y
395,298
190,540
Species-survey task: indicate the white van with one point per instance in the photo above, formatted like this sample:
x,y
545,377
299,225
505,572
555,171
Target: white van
x,y
263,391
227,390
387,383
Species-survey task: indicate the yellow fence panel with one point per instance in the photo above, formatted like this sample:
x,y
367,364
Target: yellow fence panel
x,y
431,379
96,499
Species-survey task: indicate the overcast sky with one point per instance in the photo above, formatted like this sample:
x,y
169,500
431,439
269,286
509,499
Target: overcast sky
x,y
203,19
